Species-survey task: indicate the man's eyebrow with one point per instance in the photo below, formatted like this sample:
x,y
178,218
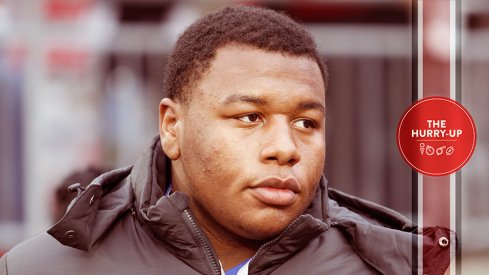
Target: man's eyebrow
x,y
244,98
305,105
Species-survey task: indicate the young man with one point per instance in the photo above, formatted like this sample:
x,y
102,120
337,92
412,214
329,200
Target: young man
x,y
233,184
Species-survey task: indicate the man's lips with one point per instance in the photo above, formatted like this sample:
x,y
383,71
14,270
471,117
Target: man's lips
x,y
276,191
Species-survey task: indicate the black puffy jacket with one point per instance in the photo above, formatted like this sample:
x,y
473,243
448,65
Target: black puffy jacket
x,y
122,224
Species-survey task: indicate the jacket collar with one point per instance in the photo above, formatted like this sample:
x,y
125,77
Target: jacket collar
x,y
168,220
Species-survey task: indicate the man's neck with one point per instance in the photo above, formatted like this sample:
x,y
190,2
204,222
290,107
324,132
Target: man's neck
x,y
232,251
230,248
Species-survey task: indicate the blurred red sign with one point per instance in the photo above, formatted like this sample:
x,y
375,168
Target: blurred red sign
x,y
66,9
59,58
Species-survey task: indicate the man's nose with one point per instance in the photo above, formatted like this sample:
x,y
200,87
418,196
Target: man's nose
x,y
279,146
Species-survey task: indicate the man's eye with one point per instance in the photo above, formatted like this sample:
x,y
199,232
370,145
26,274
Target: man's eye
x,y
304,124
250,118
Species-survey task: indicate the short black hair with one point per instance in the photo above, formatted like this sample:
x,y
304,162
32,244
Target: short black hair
x,y
253,26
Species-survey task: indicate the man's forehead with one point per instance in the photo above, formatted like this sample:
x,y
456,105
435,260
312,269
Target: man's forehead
x,y
247,61
238,67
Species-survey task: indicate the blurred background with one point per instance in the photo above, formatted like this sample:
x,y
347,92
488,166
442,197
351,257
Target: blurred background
x,y
80,83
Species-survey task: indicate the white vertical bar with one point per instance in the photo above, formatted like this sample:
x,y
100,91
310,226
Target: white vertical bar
x,y
453,90
453,223
453,50
420,96
420,49
420,221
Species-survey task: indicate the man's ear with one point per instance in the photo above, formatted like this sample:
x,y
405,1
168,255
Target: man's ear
x,y
170,119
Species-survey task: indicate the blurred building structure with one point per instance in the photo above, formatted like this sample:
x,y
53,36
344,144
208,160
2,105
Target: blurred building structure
x,y
81,82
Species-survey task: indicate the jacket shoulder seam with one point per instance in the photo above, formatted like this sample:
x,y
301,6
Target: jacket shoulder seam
x,y
391,217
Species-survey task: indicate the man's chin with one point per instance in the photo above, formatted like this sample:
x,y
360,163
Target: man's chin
x,y
264,229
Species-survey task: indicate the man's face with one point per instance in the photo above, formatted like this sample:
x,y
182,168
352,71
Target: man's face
x,y
252,142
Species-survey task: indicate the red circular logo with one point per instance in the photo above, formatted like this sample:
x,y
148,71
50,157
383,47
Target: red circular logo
x,y
436,136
